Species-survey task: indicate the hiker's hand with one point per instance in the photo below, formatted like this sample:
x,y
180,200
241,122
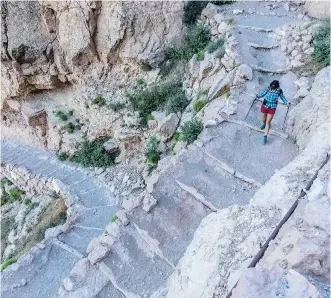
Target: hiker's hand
x,y
288,103
256,96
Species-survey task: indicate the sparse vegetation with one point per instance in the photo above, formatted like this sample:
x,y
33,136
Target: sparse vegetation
x,y
114,218
71,112
93,154
70,128
190,130
15,194
145,66
175,139
100,101
230,21
176,103
193,9
195,40
152,153
141,81
220,52
61,115
150,117
63,156
215,45
149,100
228,94
60,219
321,52
198,105
116,106
200,56
6,181
8,262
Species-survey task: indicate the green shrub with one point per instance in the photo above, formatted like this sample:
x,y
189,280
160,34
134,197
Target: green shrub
x,y
149,100
152,152
145,66
116,106
195,40
190,130
176,103
140,81
321,52
71,112
63,156
62,116
8,262
27,202
214,45
220,52
150,117
198,105
228,94
93,154
200,56
15,194
230,21
193,9
100,101
114,218
6,181
70,128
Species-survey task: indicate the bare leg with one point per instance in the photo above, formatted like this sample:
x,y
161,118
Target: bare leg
x,y
264,117
268,123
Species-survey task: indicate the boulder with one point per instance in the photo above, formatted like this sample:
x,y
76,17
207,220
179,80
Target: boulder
x,y
14,104
223,28
168,125
111,146
132,202
149,202
122,217
34,115
158,116
318,9
97,254
222,86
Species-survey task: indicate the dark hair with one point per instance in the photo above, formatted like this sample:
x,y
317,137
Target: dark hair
x,y
274,85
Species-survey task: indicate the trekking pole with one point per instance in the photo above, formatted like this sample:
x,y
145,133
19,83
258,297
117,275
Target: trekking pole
x,y
285,117
250,106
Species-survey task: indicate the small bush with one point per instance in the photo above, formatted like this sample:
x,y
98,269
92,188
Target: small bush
x,y
152,152
145,66
116,106
8,262
149,100
6,181
195,40
27,202
100,101
321,52
71,112
15,194
141,81
230,21
70,128
93,154
198,105
190,130
200,56
228,94
214,45
220,53
114,218
62,116
63,156
150,117
176,103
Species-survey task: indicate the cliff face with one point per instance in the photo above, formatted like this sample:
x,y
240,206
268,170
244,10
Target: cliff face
x,y
47,43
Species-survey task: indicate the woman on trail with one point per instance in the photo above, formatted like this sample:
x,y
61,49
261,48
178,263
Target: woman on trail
x,y
269,105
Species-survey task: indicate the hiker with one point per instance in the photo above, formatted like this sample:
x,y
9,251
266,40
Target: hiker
x,y
269,105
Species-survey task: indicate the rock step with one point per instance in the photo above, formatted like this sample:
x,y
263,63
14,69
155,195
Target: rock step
x,y
258,29
262,47
268,70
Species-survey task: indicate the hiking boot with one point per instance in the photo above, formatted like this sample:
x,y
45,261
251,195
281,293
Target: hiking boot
x,y
264,140
262,126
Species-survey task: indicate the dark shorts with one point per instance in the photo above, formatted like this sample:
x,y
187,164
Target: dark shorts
x,y
269,111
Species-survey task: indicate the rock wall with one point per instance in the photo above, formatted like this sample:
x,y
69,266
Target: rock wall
x,y
318,9
47,43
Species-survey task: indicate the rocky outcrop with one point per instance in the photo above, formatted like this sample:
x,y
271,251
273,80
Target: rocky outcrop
x,y
47,43
312,111
318,9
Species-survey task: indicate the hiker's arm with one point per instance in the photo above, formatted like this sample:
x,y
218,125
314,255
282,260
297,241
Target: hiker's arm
x,y
282,97
262,94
